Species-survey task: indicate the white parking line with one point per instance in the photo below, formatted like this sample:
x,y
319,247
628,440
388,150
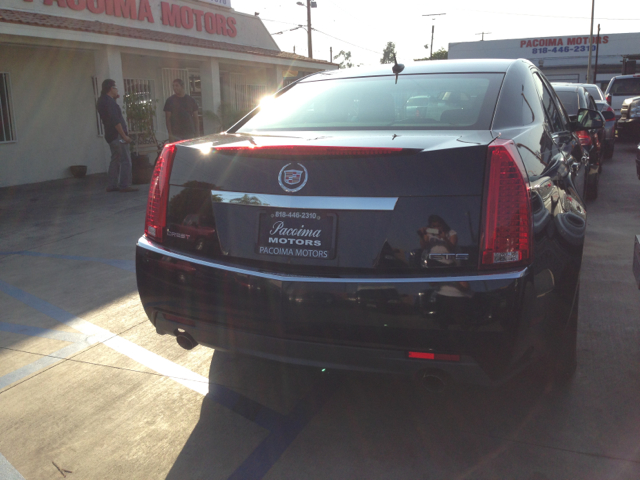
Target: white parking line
x,y
7,472
161,365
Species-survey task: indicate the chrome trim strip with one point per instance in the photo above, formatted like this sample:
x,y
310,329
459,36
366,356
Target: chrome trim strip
x,y
153,247
289,201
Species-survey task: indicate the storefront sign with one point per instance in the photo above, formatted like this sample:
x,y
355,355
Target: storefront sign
x,y
171,14
562,44
220,3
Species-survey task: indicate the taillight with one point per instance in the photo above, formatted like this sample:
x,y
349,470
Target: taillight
x,y
156,219
608,99
584,137
506,238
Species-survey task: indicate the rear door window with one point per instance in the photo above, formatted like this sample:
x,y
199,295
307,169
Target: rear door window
x,y
555,117
415,102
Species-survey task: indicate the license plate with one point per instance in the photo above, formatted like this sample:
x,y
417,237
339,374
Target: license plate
x,y
297,233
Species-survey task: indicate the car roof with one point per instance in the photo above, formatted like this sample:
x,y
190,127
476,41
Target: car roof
x,y
567,87
490,65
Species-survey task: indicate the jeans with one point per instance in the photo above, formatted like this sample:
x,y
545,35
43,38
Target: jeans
x,y
119,175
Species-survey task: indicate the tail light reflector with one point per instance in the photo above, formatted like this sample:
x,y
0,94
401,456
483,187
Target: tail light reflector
x,y
608,99
156,219
434,356
506,239
585,138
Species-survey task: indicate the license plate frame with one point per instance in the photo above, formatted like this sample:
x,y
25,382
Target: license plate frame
x,y
291,233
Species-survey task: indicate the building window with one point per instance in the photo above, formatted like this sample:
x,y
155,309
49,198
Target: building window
x,y
7,120
141,94
96,95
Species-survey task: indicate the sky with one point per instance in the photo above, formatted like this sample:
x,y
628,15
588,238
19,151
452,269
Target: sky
x,y
364,28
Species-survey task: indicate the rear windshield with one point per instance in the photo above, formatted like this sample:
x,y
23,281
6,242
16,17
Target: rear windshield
x,y
594,91
416,102
626,86
570,101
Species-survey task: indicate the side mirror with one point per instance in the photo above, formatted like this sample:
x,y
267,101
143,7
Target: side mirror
x,y
608,115
587,120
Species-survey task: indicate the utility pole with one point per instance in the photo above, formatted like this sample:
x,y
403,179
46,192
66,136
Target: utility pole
x,y
310,4
331,54
309,28
483,34
433,27
595,72
593,5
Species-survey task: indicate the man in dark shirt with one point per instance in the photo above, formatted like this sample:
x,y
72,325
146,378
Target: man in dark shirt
x,y
116,135
181,114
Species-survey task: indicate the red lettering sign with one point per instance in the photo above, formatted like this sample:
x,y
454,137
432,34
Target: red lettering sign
x,y
210,22
198,14
77,5
221,28
231,27
125,8
144,12
95,6
172,15
186,17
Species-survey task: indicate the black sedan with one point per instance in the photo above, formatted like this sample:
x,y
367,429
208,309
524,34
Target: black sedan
x,y
574,98
343,229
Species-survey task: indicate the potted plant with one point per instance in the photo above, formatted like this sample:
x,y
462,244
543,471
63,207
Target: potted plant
x,y
140,111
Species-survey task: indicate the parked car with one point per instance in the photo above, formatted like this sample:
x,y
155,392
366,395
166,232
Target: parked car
x,y
575,97
629,122
619,89
609,142
352,235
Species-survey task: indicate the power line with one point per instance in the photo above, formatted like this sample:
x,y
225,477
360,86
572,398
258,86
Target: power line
x,y
552,16
348,43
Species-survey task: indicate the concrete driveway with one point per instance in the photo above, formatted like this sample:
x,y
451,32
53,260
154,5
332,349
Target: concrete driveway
x,y
88,390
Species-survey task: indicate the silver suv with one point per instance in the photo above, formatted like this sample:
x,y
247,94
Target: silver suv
x,y
620,88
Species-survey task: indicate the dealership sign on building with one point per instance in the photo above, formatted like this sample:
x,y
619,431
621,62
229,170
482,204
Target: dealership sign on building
x,y
570,48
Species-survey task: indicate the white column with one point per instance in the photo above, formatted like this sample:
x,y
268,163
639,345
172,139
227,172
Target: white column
x,y
280,76
210,83
108,62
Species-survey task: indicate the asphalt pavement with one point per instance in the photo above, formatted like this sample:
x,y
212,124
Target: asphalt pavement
x,y
88,390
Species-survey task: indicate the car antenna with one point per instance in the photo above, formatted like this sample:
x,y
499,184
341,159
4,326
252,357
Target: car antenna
x,y
397,68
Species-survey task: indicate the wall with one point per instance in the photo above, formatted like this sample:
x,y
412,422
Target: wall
x,y
53,106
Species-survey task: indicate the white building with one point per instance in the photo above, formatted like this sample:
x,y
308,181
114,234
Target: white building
x,y
54,55
562,59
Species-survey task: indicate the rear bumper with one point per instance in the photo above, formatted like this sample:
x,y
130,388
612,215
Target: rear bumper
x,y
321,355
628,128
364,323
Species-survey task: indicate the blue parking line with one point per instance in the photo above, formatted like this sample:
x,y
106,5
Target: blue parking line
x,y
250,409
36,303
128,265
7,472
283,429
276,443
41,363
43,332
